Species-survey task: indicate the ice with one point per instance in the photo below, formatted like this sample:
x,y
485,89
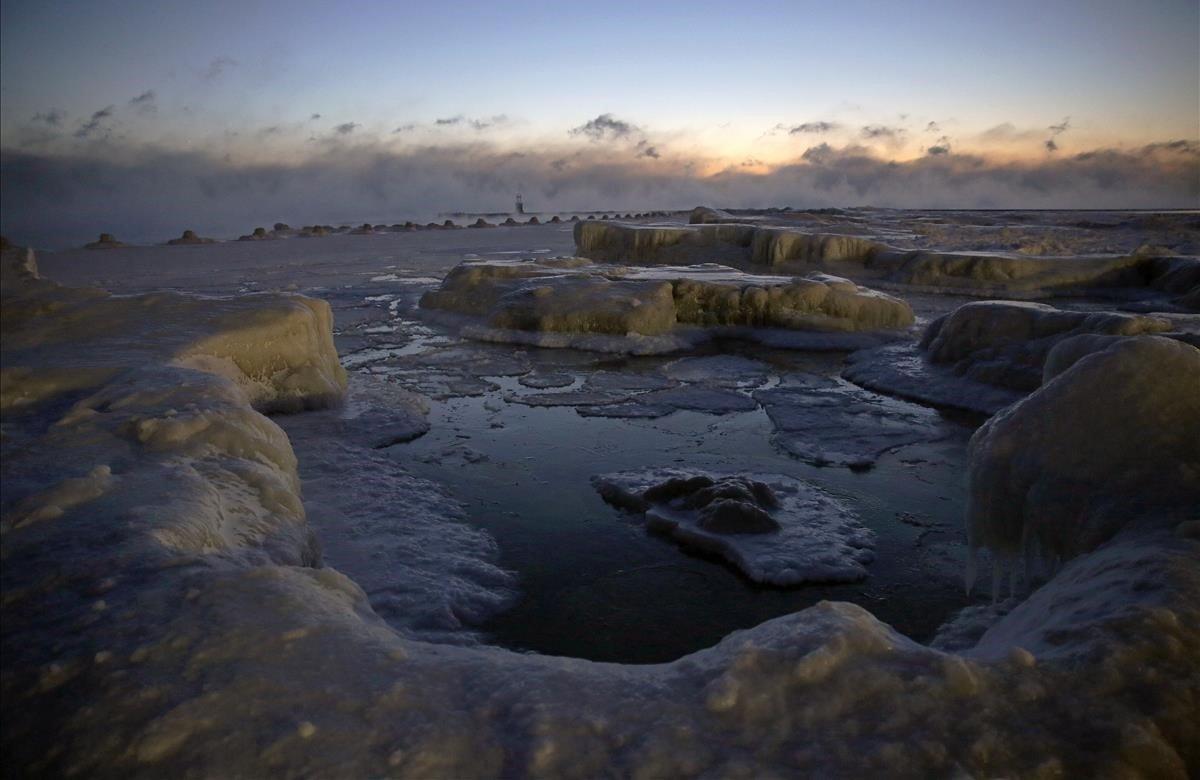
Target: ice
x,y
403,540
789,250
774,529
700,398
574,302
1111,441
173,618
843,425
902,370
1004,343
721,370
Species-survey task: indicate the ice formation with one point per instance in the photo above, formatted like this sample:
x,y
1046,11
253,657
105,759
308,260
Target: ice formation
x,y
163,614
985,355
775,529
1005,342
790,250
843,425
1112,439
574,302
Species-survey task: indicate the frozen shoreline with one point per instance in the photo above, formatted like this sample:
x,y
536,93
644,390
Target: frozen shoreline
x,y
183,600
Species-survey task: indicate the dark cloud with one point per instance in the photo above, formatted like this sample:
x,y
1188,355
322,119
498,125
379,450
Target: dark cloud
x,y
147,194
881,131
817,154
1055,131
933,127
51,118
810,127
454,120
751,163
314,117
648,151
145,103
604,126
941,147
404,128
272,130
217,68
346,128
96,123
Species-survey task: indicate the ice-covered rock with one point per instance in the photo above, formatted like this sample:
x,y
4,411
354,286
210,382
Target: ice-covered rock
x,y
106,241
774,529
986,355
785,249
576,296
1005,343
189,238
1110,441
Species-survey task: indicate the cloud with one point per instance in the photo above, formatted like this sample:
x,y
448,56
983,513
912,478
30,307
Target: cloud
x,y
881,131
272,130
1055,131
933,127
454,120
96,123
217,68
483,124
346,128
405,128
604,126
143,193
314,117
810,127
145,103
941,147
51,118
648,151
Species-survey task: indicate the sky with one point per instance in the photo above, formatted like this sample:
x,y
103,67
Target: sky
x,y
151,116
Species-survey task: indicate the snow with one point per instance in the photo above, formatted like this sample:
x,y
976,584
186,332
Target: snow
x,y
775,529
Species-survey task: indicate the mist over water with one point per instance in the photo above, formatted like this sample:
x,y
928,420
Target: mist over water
x,y
149,196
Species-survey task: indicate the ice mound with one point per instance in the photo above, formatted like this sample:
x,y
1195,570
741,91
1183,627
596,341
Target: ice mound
x,y
106,241
786,249
1111,440
775,529
986,355
841,425
188,238
576,297
1005,343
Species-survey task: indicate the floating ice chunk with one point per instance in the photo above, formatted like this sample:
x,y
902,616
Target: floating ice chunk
x,y
622,382
700,398
719,370
542,381
775,529
631,410
567,398
844,426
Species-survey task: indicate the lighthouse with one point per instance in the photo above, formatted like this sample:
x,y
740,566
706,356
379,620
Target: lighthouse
x,y
520,204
